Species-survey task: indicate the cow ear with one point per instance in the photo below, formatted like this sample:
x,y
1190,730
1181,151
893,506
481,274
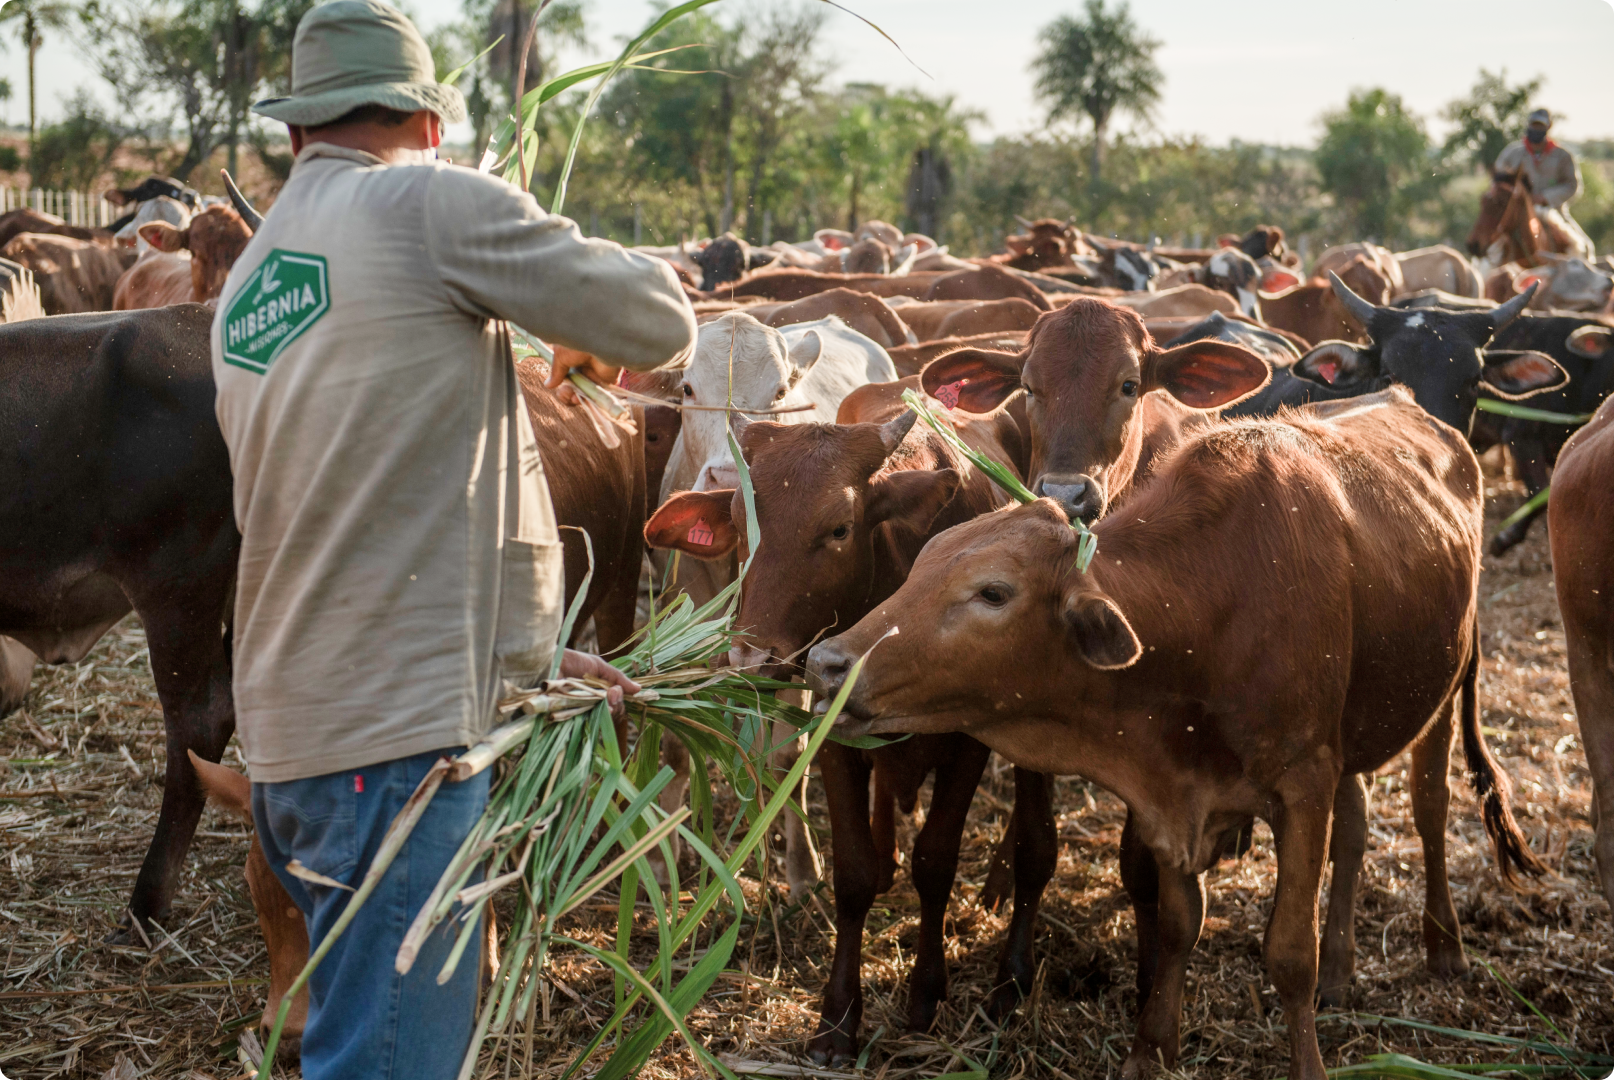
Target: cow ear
x,y
224,787
165,237
1099,632
911,497
1333,362
1592,342
805,352
975,380
1207,374
1277,279
1019,245
698,523
1521,374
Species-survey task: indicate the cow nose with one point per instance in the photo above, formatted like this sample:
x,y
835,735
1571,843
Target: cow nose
x,y
747,657
827,665
718,478
1080,497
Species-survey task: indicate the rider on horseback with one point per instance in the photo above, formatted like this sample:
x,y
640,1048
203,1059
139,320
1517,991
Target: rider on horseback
x,y
1553,176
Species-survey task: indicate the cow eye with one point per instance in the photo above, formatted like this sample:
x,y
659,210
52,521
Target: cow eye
x,y
1130,388
841,532
996,595
783,390
689,391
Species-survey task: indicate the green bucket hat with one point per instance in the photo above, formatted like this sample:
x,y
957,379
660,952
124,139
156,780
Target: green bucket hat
x,y
349,53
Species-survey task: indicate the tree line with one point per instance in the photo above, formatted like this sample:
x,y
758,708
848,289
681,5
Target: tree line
x,y
740,127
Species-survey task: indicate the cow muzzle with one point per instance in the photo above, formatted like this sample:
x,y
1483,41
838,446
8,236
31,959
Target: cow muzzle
x,y
718,477
828,664
1081,497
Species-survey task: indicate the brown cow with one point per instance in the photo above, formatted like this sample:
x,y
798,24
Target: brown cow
x,y
284,930
790,284
1225,656
1580,517
74,276
215,238
912,359
933,320
864,312
157,279
843,510
1089,371
1183,300
14,223
1379,258
1313,311
1046,242
985,283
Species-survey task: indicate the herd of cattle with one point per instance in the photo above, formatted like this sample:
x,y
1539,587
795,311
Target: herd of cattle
x,y
1279,467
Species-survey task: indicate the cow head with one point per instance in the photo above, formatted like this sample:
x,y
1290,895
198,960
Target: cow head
x,y
870,255
986,601
742,364
1438,355
725,259
1125,267
1569,283
1045,242
875,229
215,238
1263,241
161,208
1235,273
1088,370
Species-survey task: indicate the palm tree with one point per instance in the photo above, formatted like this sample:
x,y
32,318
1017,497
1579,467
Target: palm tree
x,y
1096,67
36,16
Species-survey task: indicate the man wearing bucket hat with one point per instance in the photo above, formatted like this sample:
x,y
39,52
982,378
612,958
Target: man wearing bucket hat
x,y
1554,177
399,555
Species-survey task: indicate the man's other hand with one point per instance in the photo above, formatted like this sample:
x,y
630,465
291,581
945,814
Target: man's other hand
x,y
579,665
590,367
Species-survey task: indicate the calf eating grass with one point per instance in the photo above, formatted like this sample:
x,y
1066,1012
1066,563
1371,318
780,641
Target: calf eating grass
x,y
1286,603
843,510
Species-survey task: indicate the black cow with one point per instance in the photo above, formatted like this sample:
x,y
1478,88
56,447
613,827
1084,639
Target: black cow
x,y
1583,347
1125,266
727,259
1437,355
117,496
150,188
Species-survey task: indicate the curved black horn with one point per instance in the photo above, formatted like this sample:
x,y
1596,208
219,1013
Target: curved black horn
x,y
253,219
1501,316
1363,310
892,432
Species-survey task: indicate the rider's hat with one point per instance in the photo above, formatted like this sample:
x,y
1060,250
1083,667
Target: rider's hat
x,y
1542,117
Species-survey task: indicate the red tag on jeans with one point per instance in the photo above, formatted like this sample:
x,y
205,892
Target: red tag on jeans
x,y
701,533
948,395
358,783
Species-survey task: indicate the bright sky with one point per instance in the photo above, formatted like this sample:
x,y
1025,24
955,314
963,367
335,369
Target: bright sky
x,y
1256,70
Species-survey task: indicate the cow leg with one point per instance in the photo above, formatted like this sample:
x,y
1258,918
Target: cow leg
x,y
675,755
1140,876
1431,795
285,935
999,883
845,773
883,823
1181,910
1301,831
802,867
190,663
935,866
1531,460
613,617
1036,855
1346,847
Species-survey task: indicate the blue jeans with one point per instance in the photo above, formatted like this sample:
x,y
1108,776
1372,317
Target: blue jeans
x,y
364,1019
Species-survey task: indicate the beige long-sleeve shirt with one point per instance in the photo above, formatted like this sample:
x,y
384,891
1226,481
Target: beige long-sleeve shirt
x,y
399,555
1553,175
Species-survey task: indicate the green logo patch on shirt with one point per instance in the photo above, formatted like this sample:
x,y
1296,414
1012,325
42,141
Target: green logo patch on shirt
x,y
285,296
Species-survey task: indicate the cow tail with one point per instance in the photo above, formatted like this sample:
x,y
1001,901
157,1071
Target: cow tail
x,y
1491,783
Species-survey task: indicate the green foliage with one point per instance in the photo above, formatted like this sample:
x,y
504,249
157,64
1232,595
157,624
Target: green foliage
x,y
73,153
10,159
1491,116
1098,66
1375,160
1594,210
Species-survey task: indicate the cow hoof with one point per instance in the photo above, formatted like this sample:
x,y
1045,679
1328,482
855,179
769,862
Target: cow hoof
x,y
1003,1001
1333,997
126,936
922,1013
831,1047
1448,965
289,1053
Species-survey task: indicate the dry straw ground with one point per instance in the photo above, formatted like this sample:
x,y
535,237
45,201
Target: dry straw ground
x,y
80,786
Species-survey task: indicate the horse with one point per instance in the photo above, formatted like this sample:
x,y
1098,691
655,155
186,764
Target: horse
x,y
1509,230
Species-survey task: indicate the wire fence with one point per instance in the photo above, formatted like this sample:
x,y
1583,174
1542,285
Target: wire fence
x,y
74,207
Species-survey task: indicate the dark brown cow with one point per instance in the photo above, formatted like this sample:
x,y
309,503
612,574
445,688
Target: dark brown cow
x,y
1580,517
14,223
864,312
74,276
985,283
843,510
1314,312
1046,242
1090,371
284,930
1168,671
215,238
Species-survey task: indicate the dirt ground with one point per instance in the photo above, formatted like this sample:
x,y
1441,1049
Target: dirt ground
x,y
80,785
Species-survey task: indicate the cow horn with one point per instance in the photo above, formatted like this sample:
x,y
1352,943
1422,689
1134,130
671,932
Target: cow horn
x,y
1024,224
892,432
738,422
253,219
1500,317
1363,310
